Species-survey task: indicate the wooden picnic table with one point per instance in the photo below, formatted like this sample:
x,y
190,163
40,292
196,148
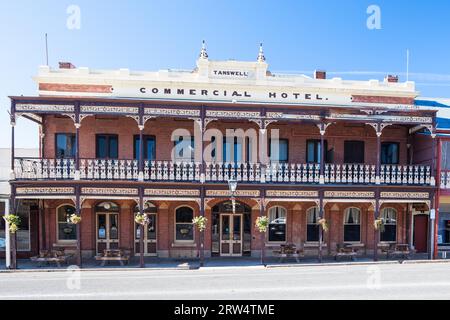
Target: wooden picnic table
x,y
396,249
345,250
119,255
51,256
288,251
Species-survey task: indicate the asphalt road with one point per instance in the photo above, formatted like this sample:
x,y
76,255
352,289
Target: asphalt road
x,y
394,281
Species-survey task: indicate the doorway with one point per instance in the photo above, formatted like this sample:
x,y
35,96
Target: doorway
x,y
421,233
107,226
231,235
231,230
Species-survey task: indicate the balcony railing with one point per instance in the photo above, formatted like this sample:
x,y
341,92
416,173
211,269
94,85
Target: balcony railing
x,y
101,169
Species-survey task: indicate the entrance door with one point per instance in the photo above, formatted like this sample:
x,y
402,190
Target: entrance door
x,y
421,232
231,235
149,236
107,231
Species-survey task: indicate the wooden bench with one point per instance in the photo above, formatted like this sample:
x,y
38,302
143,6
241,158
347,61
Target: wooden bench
x,y
51,256
288,251
345,250
119,255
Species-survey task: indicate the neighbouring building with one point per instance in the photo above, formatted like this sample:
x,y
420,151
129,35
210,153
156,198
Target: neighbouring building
x,y
117,142
442,106
24,235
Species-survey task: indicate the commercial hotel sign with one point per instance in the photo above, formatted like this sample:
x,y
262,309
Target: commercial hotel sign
x,y
224,94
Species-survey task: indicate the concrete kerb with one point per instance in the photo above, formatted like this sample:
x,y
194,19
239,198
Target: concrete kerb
x,y
215,267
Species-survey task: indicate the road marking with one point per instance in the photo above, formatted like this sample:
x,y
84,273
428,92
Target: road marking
x,y
232,291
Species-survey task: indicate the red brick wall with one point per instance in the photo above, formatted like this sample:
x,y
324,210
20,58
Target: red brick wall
x,y
296,229
297,135
382,99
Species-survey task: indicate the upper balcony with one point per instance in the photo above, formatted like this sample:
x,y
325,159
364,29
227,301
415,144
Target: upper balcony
x,y
168,171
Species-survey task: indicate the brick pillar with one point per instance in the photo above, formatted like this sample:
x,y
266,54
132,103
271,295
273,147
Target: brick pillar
x,y
335,228
163,230
296,226
208,215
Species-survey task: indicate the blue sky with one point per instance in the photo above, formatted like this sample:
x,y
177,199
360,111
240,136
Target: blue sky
x,y
298,36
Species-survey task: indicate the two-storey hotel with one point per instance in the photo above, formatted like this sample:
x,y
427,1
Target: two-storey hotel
x,y
117,142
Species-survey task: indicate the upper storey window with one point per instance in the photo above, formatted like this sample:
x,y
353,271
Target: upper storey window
x,y
184,149
65,145
390,153
354,151
149,145
107,146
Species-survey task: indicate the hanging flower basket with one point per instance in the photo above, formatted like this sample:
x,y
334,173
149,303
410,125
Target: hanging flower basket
x,y
75,219
262,224
324,224
378,224
141,218
200,223
13,221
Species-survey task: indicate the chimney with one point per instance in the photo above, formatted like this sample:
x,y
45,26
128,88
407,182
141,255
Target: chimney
x,y
391,78
66,65
320,74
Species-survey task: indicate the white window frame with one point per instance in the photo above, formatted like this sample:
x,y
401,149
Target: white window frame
x,y
175,225
269,212
396,224
57,226
307,223
352,224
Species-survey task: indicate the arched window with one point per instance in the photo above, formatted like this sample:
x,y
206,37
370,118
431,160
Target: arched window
x,y
312,228
352,225
389,231
184,229
67,231
277,224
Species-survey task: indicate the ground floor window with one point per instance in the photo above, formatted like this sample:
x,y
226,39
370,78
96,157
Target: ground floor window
x,y
389,231
444,228
352,225
184,230
23,234
277,224
66,229
312,228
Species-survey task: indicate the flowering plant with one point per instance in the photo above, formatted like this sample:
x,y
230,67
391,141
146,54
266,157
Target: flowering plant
x,y
141,218
323,222
13,221
75,219
200,223
378,224
262,223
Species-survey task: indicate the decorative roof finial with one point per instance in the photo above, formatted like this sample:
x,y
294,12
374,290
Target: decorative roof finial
x,y
261,57
203,53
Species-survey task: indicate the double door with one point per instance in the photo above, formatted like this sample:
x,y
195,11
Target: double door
x,y
150,236
107,227
231,234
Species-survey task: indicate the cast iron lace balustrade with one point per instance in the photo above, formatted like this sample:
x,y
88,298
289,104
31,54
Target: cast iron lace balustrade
x,y
222,172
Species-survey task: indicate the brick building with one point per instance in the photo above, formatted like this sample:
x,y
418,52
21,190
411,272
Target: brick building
x,y
113,143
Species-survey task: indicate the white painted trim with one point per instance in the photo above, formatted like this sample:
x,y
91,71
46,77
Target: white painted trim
x,y
175,226
58,241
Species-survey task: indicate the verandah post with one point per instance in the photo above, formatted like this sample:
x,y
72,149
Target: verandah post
x,y
141,229
321,216
78,225
376,214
